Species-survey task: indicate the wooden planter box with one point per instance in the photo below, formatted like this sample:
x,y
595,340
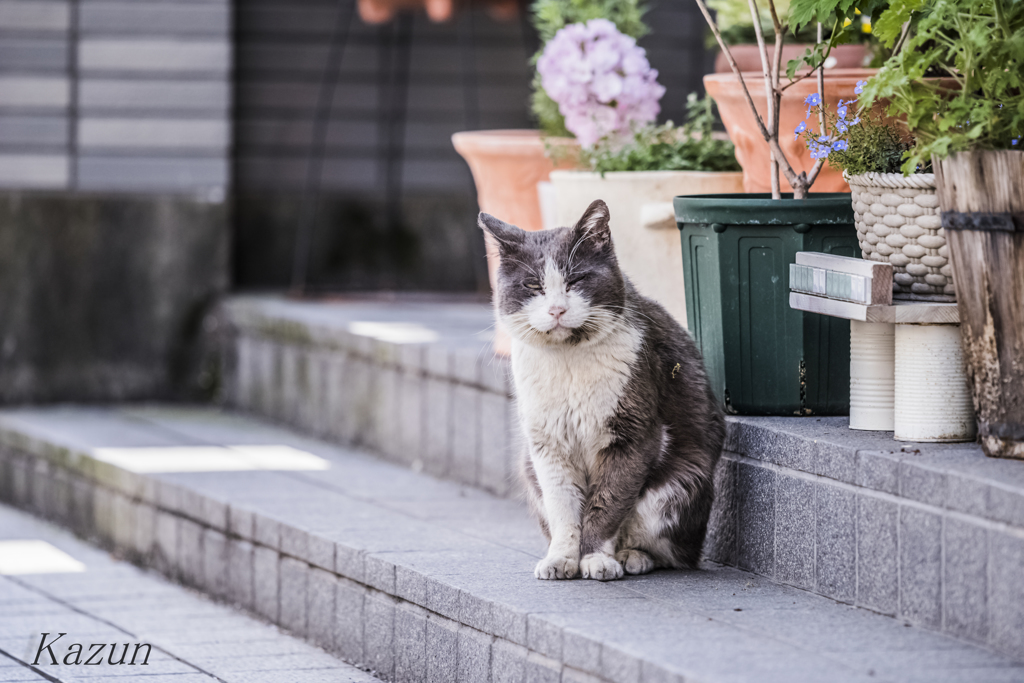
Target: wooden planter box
x,y
982,196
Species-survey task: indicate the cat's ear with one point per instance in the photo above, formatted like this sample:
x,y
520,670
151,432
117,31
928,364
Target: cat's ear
x,y
594,226
508,236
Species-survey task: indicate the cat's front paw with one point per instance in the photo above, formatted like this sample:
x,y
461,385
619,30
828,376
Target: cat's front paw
x,y
554,567
601,567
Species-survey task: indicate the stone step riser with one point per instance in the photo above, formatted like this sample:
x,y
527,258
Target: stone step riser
x,y
868,529
445,411
355,606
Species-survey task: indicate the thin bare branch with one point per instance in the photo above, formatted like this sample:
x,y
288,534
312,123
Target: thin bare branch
x,y
904,32
813,175
772,140
769,92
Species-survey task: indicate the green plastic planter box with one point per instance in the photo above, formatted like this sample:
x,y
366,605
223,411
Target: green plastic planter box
x,y
763,357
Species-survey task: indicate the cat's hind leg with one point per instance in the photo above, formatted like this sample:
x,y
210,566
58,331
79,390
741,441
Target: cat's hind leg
x,y
635,561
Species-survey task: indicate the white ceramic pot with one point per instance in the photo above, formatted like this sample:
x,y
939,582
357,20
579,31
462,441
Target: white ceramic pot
x,y
643,221
899,222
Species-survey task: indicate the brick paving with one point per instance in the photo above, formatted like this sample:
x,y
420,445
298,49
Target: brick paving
x,y
193,639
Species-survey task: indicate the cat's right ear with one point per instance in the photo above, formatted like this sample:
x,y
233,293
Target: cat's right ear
x,y
508,236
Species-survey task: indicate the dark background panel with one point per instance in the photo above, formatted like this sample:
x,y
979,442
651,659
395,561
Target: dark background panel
x,y
394,204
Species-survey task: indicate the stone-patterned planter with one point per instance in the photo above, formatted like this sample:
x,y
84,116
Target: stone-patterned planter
x,y
898,222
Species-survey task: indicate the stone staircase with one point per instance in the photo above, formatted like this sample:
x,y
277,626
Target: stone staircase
x,y
420,579
932,534
366,502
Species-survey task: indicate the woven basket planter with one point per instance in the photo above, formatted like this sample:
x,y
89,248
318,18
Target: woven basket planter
x,y
898,222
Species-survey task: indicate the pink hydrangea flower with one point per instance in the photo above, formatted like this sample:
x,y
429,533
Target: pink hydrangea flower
x,y
600,79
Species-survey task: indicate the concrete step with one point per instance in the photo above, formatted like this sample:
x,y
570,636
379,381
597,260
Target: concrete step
x,y
422,579
64,585
932,534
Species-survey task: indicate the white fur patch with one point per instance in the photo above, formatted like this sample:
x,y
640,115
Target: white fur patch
x,y
566,397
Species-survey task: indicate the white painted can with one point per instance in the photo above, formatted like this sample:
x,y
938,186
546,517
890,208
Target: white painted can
x,y
933,401
872,376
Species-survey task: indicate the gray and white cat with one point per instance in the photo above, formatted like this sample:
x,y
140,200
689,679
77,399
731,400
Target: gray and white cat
x,y
622,428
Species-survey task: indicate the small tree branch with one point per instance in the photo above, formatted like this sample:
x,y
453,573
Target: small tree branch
x,y
772,140
769,92
776,98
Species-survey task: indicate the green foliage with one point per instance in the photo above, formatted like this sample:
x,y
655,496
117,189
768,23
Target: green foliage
x,y
979,44
874,146
549,17
733,20
667,148
844,21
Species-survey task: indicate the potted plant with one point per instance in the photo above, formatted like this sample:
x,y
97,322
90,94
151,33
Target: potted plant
x,y
972,134
897,215
845,28
762,356
733,20
634,165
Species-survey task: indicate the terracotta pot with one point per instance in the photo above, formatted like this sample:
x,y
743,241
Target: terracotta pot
x,y
380,11
752,150
748,57
647,243
506,167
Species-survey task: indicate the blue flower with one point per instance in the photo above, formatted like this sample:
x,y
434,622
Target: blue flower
x,y
823,138
799,129
812,101
819,152
1014,141
842,126
860,87
855,121
839,145
841,111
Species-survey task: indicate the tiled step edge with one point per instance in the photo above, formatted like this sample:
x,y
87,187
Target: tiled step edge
x,y
442,408
391,620
931,534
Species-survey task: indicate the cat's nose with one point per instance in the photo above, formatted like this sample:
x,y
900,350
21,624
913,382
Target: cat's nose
x,y
556,311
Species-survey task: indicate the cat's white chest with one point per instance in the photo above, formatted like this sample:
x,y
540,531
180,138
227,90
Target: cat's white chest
x,y
567,395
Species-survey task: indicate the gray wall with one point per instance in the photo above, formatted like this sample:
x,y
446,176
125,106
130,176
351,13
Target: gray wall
x,y
115,139
115,96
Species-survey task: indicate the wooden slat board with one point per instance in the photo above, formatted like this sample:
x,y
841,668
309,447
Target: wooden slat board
x,y
910,312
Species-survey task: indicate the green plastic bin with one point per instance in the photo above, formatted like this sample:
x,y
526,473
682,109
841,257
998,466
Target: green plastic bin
x,y
764,358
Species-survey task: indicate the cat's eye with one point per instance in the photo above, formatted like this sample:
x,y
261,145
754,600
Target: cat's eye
x,y
577,279
532,285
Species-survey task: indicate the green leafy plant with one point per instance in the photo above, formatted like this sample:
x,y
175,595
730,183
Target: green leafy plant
x,y
846,21
549,17
868,143
691,147
733,19
978,45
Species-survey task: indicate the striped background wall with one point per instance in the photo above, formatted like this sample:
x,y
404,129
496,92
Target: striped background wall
x,y
115,96
469,73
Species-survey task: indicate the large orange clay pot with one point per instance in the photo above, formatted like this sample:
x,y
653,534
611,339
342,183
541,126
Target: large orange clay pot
x,y
752,150
506,167
748,57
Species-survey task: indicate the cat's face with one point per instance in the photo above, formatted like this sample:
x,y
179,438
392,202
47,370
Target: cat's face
x,y
558,287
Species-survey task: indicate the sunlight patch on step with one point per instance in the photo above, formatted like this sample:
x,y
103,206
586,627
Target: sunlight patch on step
x,y
152,459
396,333
35,557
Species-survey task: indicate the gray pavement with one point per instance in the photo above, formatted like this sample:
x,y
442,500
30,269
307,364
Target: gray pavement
x,y
432,580
73,588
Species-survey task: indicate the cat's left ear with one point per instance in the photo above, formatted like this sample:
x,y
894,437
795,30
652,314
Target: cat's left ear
x,y
508,236
594,226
